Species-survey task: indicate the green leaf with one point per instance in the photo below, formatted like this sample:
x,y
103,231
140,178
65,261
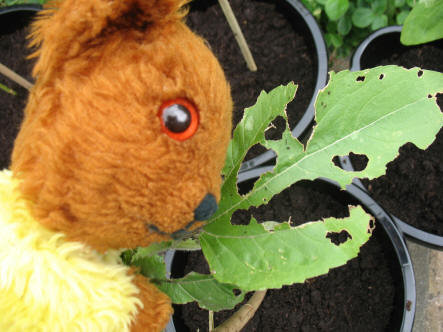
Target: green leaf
x,y
372,116
262,259
379,7
423,24
251,129
344,25
334,39
374,112
152,267
336,8
208,292
362,17
371,112
399,3
401,17
379,22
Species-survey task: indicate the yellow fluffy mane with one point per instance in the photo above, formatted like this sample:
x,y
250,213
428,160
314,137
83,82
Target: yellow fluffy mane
x,y
50,284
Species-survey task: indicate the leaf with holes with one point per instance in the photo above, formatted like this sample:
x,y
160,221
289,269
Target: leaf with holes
x,y
208,292
251,130
371,112
261,259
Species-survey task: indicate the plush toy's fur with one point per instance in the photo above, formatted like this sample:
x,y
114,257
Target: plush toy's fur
x,y
92,165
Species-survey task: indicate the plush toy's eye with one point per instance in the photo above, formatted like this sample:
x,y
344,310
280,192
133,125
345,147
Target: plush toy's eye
x,y
179,119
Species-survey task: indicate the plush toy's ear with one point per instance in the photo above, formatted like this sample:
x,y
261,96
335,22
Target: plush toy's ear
x,y
65,27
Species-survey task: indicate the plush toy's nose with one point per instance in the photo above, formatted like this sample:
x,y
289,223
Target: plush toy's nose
x,y
206,208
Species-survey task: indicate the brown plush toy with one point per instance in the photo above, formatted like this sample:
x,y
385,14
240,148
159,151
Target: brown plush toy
x,y
123,142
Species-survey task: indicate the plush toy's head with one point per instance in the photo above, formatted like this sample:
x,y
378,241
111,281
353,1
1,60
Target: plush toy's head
x,y
126,129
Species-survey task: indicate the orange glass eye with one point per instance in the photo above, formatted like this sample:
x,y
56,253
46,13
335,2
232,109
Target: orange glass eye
x,y
179,119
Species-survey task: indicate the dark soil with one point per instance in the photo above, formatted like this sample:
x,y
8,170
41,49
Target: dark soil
x,y
281,45
412,188
364,295
13,53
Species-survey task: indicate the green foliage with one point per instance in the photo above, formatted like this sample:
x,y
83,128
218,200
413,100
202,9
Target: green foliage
x,y
4,3
272,255
371,112
7,90
205,289
347,22
210,294
424,23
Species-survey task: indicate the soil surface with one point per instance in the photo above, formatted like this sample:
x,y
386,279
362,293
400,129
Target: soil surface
x,y
363,295
13,53
412,188
280,43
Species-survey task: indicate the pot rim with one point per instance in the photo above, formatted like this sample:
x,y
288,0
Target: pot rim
x,y
17,8
322,78
383,218
429,239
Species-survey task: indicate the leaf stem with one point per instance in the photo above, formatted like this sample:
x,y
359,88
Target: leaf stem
x,y
8,90
15,77
235,27
238,320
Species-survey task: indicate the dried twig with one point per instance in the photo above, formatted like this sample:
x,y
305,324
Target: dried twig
x,y
238,320
233,23
15,77
211,321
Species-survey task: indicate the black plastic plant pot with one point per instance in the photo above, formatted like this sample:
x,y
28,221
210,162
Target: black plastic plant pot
x,y
14,28
286,44
322,75
372,292
411,190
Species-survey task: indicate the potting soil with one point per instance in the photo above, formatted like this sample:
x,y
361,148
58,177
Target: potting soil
x,y
13,53
280,43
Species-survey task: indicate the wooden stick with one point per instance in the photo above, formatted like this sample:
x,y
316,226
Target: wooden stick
x,y
235,27
211,321
238,320
15,77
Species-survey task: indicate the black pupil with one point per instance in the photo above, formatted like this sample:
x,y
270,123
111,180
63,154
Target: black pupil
x,y
176,118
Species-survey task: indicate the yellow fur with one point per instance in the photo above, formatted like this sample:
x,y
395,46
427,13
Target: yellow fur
x,y
50,284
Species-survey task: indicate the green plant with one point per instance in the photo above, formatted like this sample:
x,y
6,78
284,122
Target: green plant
x,y
424,23
7,90
347,22
371,112
4,3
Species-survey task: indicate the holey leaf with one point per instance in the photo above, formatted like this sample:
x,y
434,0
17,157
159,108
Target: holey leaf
x,y
204,289
261,259
372,112
251,129
208,292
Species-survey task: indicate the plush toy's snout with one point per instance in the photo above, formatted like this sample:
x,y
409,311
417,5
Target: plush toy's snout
x,y
206,208
204,211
